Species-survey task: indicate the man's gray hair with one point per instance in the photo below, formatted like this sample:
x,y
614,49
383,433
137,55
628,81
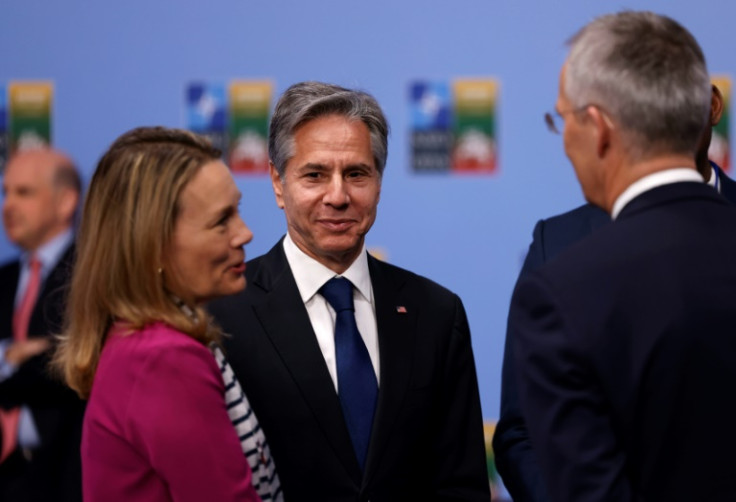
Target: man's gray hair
x,y
648,73
307,101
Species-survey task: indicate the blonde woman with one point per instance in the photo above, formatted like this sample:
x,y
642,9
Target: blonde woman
x,y
160,236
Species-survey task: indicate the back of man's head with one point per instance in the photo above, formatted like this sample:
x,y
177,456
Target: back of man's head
x,y
649,74
41,189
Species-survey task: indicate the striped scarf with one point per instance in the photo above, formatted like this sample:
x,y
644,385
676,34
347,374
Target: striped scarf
x,y
252,439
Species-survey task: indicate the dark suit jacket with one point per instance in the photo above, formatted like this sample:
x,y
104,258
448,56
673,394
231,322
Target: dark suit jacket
x,y
427,439
512,449
728,186
624,350
54,473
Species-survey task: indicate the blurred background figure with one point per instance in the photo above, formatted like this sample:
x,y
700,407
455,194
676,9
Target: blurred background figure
x,y
40,418
160,235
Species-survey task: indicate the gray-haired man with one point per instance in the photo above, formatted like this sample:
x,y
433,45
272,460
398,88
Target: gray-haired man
x,y
624,341
360,373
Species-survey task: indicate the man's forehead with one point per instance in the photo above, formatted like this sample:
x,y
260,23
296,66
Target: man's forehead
x,y
30,171
561,95
561,80
38,160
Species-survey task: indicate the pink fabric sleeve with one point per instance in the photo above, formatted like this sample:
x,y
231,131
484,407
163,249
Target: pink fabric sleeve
x,y
177,416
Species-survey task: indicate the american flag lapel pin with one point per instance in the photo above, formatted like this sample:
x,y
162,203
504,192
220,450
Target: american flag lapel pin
x,y
401,309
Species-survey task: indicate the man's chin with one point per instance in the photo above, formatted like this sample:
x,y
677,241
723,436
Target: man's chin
x,y
15,237
340,252
342,245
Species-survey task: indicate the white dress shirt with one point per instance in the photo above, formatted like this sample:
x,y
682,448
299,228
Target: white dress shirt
x,y
714,180
654,180
310,276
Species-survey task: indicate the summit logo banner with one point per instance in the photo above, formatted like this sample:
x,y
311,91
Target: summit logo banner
x,y
720,143
453,126
26,109
30,110
3,127
234,117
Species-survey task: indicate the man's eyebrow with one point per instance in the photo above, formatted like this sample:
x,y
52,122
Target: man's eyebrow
x,y
312,166
359,165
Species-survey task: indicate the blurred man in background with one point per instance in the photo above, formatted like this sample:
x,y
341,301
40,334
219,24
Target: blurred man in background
x,y
40,418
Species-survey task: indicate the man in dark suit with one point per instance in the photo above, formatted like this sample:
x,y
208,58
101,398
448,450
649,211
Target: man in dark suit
x,y
385,412
623,342
513,452
39,417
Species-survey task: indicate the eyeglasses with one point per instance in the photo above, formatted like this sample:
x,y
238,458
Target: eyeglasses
x,y
554,120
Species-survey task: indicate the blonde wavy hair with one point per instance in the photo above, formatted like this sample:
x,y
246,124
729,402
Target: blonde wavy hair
x,y
127,224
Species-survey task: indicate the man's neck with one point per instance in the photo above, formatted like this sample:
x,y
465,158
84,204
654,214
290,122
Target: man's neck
x,y
705,170
51,236
51,250
626,175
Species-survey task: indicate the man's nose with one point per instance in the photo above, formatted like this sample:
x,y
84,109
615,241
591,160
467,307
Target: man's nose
x,y
336,193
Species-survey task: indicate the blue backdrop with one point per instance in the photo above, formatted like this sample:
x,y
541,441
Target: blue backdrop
x,y
117,65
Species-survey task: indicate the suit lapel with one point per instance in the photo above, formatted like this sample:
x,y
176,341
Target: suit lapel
x,y
9,280
728,187
286,322
48,312
396,318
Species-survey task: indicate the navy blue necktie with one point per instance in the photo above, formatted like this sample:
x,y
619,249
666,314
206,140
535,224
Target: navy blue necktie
x,y
356,381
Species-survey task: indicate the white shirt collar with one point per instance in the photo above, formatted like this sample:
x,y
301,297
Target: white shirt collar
x,y
50,253
310,275
674,175
713,180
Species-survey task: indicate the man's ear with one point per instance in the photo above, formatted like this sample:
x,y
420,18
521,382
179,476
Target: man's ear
x,y
716,106
603,129
276,183
66,205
